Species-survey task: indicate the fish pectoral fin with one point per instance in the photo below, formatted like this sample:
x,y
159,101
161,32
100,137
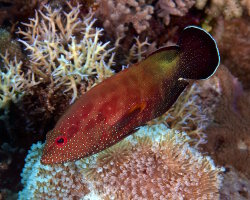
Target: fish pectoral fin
x,y
126,121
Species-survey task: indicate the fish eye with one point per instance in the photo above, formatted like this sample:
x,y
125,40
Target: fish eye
x,y
61,141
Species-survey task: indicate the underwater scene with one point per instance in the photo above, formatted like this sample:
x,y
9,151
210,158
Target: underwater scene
x,y
124,99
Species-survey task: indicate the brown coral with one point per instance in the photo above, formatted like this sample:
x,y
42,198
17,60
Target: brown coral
x,y
173,7
235,185
234,45
14,10
228,136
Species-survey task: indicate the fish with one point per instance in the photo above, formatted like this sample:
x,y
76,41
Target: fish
x,y
116,107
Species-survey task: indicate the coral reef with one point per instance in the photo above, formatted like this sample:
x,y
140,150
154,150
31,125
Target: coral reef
x,y
193,111
58,57
140,14
235,185
233,42
10,45
228,135
61,54
50,182
65,58
117,15
228,8
174,7
14,10
12,81
62,48
153,163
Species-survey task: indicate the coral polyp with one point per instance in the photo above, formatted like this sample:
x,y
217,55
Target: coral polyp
x,y
154,163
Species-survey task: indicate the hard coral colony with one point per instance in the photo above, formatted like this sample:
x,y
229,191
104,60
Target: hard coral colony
x,y
116,107
56,56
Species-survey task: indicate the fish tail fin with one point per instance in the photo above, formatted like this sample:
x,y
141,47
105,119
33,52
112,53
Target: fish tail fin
x,y
199,55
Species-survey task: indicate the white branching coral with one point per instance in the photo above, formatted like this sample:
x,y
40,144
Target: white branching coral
x,y
117,15
173,7
65,50
154,163
138,51
12,81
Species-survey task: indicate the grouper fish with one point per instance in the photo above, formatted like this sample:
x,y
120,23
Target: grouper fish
x,y
115,108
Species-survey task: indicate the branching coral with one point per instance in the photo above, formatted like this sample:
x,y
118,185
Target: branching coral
x,y
155,163
117,15
12,81
174,7
65,50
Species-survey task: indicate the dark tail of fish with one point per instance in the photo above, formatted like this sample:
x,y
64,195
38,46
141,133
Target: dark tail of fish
x,y
199,55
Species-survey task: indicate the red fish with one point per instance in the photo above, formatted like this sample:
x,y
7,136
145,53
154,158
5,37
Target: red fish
x,y
114,109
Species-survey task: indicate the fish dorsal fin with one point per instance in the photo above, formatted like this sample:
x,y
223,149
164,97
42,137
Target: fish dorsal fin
x,y
175,49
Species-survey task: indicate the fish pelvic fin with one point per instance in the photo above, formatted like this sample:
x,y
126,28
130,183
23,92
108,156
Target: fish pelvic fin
x,y
199,54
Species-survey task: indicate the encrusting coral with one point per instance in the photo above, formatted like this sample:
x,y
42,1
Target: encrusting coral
x,y
155,162
64,50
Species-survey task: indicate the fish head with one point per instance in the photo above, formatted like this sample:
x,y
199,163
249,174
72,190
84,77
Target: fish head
x,y
63,145
71,140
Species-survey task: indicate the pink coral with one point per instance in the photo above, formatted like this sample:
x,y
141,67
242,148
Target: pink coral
x,y
173,7
117,15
